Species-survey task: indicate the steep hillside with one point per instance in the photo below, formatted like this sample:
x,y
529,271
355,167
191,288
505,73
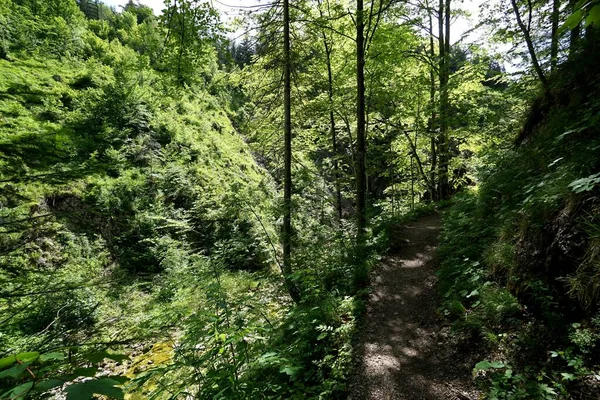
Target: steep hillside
x,y
522,253
106,178
139,234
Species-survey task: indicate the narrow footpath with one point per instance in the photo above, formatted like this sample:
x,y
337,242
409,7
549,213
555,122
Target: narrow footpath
x,y
404,348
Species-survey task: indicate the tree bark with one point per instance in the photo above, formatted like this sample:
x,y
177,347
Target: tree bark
x,y
444,45
334,149
287,134
432,118
575,32
529,42
361,176
554,33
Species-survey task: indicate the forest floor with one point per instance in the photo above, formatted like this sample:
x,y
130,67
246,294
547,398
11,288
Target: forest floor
x,y
405,350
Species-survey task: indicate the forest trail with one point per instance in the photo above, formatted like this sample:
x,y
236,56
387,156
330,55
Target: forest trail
x,y
404,351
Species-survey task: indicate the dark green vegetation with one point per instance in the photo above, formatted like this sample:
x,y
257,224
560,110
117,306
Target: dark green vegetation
x,y
520,256
145,179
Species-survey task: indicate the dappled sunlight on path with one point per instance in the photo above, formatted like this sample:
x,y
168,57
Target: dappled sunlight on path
x,y
401,345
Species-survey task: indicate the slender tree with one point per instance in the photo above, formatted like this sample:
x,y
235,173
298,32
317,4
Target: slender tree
x,y
432,117
554,35
526,31
327,44
361,173
287,138
575,32
444,77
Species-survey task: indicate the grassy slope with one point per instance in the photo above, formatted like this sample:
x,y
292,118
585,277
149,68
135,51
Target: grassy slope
x,y
134,213
84,207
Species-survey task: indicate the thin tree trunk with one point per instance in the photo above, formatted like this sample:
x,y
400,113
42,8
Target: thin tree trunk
x,y
444,45
575,32
414,153
287,184
412,184
181,47
360,124
334,149
432,120
446,137
529,42
554,40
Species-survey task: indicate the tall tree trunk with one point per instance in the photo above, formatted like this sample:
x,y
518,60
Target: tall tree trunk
x,y
575,32
432,118
444,44
412,184
529,42
361,176
554,39
180,79
287,170
334,149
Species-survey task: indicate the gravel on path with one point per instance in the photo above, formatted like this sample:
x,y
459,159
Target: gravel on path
x,y
404,349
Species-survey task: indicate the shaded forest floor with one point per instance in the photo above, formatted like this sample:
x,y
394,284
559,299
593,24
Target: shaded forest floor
x,y
404,347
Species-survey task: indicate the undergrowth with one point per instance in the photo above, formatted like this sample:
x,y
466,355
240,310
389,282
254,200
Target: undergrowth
x,y
520,253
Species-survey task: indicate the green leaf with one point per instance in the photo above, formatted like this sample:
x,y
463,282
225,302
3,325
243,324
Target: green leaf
x,y
31,356
567,376
572,21
6,361
89,372
118,378
547,388
15,371
593,17
49,384
267,356
485,365
85,390
20,391
52,357
585,184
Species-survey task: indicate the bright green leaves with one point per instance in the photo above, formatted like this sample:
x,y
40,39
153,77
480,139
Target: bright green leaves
x,y
22,361
18,392
593,17
16,371
585,184
4,362
104,386
573,20
192,28
52,357
585,10
33,373
486,365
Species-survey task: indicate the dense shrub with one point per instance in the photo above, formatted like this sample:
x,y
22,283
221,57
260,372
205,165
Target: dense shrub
x,y
520,254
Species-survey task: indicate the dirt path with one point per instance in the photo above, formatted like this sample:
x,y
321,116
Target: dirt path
x,y
404,349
